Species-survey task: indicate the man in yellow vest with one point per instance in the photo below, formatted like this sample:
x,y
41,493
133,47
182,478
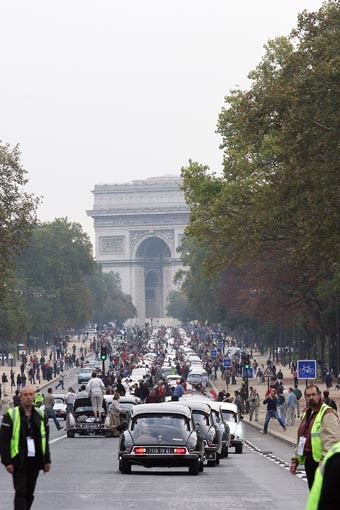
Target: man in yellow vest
x,y
24,447
319,430
325,493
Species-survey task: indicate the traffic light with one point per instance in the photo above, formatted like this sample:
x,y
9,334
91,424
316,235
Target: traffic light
x,y
103,352
246,362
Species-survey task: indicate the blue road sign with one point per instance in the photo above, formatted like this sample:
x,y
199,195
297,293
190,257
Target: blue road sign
x,y
306,369
227,362
215,335
220,344
213,353
250,373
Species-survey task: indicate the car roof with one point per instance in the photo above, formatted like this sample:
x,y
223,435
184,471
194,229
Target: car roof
x,y
195,405
227,406
163,408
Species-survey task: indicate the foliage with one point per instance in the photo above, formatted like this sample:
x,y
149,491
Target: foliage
x,y
270,223
17,210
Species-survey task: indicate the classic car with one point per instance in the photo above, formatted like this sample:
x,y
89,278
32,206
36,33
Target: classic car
x,y
59,405
161,435
127,403
202,416
85,374
82,421
237,433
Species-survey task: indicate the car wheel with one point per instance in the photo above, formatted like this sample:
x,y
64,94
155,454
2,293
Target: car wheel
x,y
211,463
217,459
125,467
238,448
225,451
108,433
201,469
70,433
194,468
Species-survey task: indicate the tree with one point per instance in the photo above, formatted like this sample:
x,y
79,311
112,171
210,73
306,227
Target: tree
x,y
17,210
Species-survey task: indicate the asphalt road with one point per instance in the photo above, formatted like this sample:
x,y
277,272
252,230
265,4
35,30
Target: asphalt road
x,y
85,476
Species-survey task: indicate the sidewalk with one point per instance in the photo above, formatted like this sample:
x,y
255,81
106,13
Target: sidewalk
x,y
274,428
10,390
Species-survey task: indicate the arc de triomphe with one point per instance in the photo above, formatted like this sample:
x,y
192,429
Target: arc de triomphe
x,y
138,228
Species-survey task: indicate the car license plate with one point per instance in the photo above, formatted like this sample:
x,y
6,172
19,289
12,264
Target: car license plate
x,y
159,450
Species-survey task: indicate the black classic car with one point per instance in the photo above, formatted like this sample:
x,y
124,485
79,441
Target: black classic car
x,y
82,421
161,435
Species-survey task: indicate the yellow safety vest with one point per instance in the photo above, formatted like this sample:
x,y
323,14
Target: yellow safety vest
x,y
315,493
39,399
15,416
315,435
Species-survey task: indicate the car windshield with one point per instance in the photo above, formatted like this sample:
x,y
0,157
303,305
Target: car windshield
x,y
160,429
58,400
229,416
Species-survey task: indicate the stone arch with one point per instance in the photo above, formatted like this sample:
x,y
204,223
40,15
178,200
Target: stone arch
x,y
153,256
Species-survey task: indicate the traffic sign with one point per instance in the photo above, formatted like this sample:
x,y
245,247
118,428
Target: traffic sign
x,y
213,353
306,369
268,373
227,362
215,335
248,373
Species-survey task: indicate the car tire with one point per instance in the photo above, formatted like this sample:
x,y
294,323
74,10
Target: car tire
x,y
211,463
225,452
194,468
125,467
217,459
238,448
201,469
70,433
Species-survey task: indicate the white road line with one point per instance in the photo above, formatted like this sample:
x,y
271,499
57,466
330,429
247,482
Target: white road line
x,y
57,439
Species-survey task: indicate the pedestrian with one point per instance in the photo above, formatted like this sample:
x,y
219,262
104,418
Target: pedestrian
x,y
24,447
49,403
319,430
4,380
325,493
282,406
115,411
61,380
95,388
298,395
238,403
39,398
329,401
254,404
272,403
291,404
82,393
70,399
16,398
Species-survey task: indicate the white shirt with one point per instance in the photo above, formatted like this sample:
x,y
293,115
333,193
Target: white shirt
x,y
95,386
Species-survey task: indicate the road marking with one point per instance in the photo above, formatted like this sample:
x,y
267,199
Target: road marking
x,y
57,439
281,463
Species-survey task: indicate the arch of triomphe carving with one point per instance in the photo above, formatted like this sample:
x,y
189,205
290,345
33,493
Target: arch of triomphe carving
x,y
138,229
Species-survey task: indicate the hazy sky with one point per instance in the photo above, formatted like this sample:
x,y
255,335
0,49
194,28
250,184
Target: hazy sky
x,y
107,91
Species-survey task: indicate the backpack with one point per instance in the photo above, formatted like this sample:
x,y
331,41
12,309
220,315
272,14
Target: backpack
x,y
298,393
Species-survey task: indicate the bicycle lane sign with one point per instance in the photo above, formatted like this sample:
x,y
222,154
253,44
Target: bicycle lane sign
x,y
306,369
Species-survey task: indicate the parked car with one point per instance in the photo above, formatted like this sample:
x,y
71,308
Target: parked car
x,y
82,421
237,433
161,435
222,425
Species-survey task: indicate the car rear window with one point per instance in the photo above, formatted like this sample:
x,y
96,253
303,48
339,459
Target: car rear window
x,y
170,427
229,416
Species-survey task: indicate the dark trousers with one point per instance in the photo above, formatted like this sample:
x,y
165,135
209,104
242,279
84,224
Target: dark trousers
x,y
24,480
310,467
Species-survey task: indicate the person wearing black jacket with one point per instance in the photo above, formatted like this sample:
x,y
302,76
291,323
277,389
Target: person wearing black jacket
x,y
24,448
272,403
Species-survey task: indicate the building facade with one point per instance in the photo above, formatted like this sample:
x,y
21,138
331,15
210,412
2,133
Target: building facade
x,y
138,228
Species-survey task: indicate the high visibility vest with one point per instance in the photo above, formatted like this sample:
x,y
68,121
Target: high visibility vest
x,y
315,493
315,435
39,399
14,414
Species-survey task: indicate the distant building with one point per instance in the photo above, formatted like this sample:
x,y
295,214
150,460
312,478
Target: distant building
x,y
138,228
